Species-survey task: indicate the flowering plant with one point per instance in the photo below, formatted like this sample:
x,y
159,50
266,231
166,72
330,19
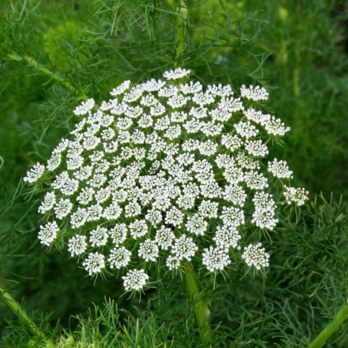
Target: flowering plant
x,y
165,169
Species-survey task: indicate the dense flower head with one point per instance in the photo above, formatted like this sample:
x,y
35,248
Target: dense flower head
x,y
164,169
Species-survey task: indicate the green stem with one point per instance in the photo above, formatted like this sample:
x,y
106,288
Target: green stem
x,y
21,313
33,63
201,311
331,328
180,23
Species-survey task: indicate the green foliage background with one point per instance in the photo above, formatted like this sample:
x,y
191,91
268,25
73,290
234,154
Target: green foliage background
x,y
298,50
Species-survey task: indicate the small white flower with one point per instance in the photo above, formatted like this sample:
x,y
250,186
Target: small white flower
x,y
132,209
208,209
78,218
138,228
176,74
148,250
226,237
48,202
54,162
280,169
295,195
256,148
231,142
119,257
255,180
254,93
70,187
99,236
121,88
255,255
164,237
174,217
84,107
63,208
246,129
94,263
77,245
48,233
215,259
135,279
184,248
234,194
196,225
275,126
232,216
118,233
173,263
35,173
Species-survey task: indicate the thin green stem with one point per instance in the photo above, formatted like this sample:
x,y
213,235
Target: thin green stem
x,y
201,310
33,63
341,316
180,27
21,313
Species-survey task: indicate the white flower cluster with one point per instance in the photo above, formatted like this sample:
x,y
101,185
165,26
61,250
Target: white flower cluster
x,y
164,169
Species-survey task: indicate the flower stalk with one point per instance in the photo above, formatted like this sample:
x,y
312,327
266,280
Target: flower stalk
x,y
201,309
341,316
20,313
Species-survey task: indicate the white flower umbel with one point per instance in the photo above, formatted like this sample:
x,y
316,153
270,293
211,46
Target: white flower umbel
x,y
48,233
295,195
34,173
255,255
135,279
165,169
94,263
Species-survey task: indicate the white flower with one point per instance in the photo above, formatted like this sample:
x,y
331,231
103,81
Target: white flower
x,y
232,216
63,208
138,228
164,237
232,142
208,209
99,236
184,248
215,259
48,233
119,257
173,263
196,225
54,162
234,194
135,280
246,129
254,93
255,255
255,180
79,218
77,245
84,107
121,88
94,263
148,250
256,148
275,126
226,237
174,217
48,202
295,195
165,166
280,169
35,173
176,74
